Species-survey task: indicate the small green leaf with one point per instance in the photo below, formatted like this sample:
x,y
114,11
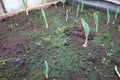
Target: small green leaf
x,y
95,15
44,16
117,11
108,16
2,63
86,27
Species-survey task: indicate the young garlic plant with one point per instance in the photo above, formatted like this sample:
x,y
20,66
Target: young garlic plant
x,y
63,2
82,5
55,6
116,70
67,14
108,16
77,11
86,31
25,5
95,16
118,10
45,18
46,70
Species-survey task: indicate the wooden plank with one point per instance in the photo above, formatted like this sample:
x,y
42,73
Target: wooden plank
x,y
46,5
114,1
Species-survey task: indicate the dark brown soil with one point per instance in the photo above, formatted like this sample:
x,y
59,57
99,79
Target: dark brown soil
x,y
77,34
22,36
12,45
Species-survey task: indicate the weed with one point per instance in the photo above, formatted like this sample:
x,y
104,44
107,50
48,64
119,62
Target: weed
x,y
78,8
96,20
25,5
47,38
108,16
46,70
86,31
60,30
38,43
2,62
44,16
104,61
118,10
12,26
109,53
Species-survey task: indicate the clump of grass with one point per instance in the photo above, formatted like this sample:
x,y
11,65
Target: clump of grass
x,y
86,31
108,16
78,8
67,14
45,18
82,5
46,70
95,15
25,5
118,10
116,70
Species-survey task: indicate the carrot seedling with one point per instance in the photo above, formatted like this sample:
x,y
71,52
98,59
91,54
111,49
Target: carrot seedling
x,y
45,18
86,31
95,16
25,6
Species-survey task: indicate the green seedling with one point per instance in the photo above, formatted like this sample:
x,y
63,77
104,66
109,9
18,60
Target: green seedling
x,y
108,16
86,31
116,70
96,20
67,14
104,60
60,30
78,8
82,5
63,2
118,10
55,6
25,5
45,18
46,70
